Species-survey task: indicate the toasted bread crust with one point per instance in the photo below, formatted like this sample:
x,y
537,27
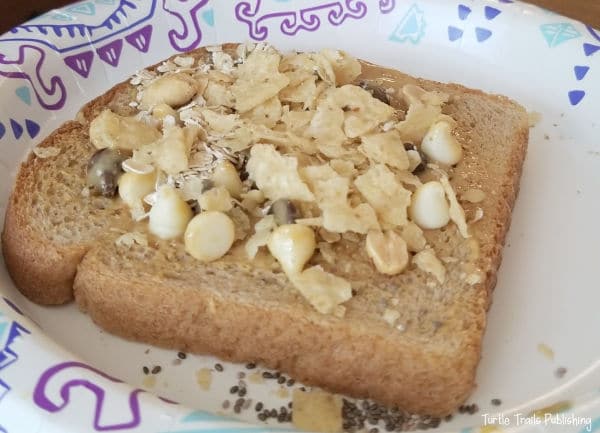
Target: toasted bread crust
x,y
391,369
43,271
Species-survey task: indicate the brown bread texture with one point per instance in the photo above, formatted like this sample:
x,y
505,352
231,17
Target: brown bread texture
x,y
58,244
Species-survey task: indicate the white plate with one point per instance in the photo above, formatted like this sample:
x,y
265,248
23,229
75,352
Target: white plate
x,y
51,359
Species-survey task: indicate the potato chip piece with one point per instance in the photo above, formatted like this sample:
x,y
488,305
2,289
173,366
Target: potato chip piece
x,y
304,93
324,68
260,238
217,94
413,235
258,80
427,261
341,218
297,67
385,148
425,109
343,167
268,113
387,196
345,67
296,121
362,112
331,191
276,175
326,126
322,289
457,214
220,123
239,139
171,153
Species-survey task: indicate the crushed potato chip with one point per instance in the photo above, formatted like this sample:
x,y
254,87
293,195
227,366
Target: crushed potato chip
x,y
322,289
46,152
387,196
258,79
296,121
326,126
457,214
276,175
413,235
427,261
343,167
268,113
363,113
171,153
304,93
218,94
341,218
385,148
260,238
345,67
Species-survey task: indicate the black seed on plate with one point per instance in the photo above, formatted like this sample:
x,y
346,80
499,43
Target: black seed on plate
x,y
290,405
496,402
234,389
145,370
560,372
237,409
291,382
226,404
262,417
242,392
241,375
218,367
273,413
181,355
281,380
258,406
156,369
277,375
281,417
267,375
250,365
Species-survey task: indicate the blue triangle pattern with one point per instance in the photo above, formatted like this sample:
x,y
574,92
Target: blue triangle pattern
x,y
482,34
17,129
2,130
454,33
491,13
23,94
590,49
463,12
209,17
576,96
83,9
581,72
33,129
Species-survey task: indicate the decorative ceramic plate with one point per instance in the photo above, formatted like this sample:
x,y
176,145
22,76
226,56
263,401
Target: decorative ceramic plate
x,y
60,373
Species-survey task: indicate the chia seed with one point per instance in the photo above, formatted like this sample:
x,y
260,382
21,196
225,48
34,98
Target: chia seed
x,y
156,369
218,367
281,380
267,375
258,406
241,375
226,404
247,404
251,366
237,409
273,413
291,382
242,392
560,372
282,417
234,389
262,417
496,402
145,370
181,355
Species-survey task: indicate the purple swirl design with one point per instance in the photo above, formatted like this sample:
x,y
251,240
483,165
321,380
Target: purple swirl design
x,y
386,6
595,34
292,22
184,11
52,94
43,401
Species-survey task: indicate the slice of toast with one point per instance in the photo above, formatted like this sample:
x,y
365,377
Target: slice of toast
x,y
57,239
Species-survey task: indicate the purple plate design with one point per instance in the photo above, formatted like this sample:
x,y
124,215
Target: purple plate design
x,y
66,376
293,21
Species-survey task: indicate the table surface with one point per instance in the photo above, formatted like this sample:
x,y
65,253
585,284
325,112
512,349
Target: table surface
x,y
12,14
